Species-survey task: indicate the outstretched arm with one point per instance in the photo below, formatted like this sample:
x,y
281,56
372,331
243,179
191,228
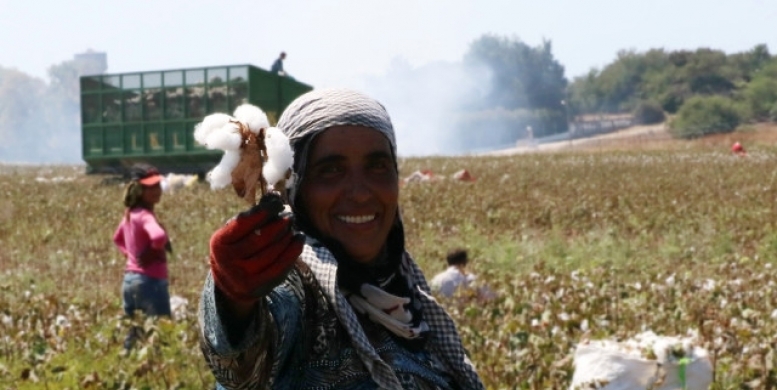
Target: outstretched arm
x,y
242,324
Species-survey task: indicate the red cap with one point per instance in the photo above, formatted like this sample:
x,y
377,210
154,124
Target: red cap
x,y
151,180
146,175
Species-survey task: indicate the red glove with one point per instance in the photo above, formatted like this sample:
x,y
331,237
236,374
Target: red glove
x,y
254,251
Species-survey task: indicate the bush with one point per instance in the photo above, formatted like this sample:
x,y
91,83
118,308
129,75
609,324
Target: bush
x,y
702,115
648,113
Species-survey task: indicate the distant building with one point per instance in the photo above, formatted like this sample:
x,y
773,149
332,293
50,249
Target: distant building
x,y
91,62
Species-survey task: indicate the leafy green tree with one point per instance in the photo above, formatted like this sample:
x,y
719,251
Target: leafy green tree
x,y
706,72
522,76
620,86
668,88
585,95
749,62
619,82
760,94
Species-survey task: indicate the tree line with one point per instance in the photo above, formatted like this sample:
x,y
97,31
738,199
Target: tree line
x,y
704,91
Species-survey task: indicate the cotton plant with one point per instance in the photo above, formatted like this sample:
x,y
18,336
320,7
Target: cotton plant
x,y
254,152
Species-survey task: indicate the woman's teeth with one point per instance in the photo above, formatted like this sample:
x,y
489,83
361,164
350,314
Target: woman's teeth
x,y
356,218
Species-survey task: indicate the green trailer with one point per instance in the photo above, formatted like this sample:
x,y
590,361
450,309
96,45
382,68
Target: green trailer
x,y
150,116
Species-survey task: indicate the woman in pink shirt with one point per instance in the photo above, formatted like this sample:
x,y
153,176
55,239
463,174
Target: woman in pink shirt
x,y
144,243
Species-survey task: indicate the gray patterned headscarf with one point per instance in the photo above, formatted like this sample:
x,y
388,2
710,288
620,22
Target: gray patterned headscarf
x,y
312,113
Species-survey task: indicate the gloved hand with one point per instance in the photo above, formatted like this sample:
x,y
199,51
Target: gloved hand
x,y
254,251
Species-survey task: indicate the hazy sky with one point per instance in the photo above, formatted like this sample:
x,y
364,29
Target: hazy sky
x,y
338,42
404,52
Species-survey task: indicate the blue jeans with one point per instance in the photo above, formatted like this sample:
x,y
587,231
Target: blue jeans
x,y
149,295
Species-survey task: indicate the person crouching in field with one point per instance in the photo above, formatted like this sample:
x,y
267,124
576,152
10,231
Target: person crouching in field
x,y
457,276
145,244
341,305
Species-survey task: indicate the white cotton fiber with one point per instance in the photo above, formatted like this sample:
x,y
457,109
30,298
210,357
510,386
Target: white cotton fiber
x,y
252,116
218,131
209,124
218,176
272,174
280,157
226,138
221,175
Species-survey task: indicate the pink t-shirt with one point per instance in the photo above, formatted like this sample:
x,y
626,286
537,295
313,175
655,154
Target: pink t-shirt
x,y
142,240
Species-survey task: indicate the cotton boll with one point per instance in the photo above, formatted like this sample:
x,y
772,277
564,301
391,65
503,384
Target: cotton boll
x,y
277,186
280,156
230,159
221,175
252,116
226,138
209,124
218,178
278,147
272,174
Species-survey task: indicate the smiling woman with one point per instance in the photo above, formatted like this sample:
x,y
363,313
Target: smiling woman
x,y
351,189
331,299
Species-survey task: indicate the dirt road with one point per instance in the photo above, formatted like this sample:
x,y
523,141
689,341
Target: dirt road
x,y
633,135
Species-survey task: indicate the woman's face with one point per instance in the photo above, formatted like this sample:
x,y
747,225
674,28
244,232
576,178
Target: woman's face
x,y
151,194
350,189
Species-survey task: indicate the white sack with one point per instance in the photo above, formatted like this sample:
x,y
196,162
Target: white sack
x,y
611,365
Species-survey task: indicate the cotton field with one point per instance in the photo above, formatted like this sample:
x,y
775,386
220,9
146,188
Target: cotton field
x,y
578,249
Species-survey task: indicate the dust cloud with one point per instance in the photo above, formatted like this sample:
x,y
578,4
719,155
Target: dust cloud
x,y
425,103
